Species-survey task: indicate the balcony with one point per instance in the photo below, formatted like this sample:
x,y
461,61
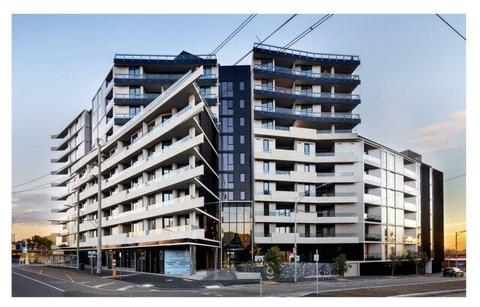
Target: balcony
x,y
183,60
376,237
373,218
142,165
304,133
372,180
262,112
347,82
371,160
134,99
306,217
306,238
299,156
409,173
410,223
373,256
291,196
372,199
348,62
266,92
122,118
408,206
409,190
210,99
160,79
307,177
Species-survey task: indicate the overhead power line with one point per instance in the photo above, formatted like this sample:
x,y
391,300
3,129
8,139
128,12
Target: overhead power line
x,y
232,35
31,180
451,27
307,31
270,35
456,177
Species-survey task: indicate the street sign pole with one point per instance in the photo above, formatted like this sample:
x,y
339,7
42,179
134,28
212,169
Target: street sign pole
x,y
316,256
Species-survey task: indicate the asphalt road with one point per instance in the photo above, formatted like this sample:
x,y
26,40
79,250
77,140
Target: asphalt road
x,y
52,282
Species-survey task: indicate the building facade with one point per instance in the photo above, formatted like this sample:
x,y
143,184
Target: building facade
x,y
210,165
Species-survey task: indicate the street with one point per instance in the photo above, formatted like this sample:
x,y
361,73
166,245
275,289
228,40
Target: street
x,y
52,282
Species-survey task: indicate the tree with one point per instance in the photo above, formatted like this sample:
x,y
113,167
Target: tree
x,y
340,265
419,258
394,261
273,259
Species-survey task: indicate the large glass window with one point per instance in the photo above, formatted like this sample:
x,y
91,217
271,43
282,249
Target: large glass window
x,y
226,89
134,71
132,111
306,148
242,158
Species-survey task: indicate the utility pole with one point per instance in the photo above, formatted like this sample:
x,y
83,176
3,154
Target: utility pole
x,y
99,211
457,233
78,229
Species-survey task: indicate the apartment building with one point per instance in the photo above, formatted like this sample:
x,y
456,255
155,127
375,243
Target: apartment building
x,y
159,187
204,164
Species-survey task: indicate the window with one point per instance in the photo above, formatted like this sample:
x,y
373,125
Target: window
x,y
227,107
166,144
151,175
227,124
132,111
134,71
151,224
207,71
306,189
151,151
266,187
226,89
267,83
267,104
242,177
306,109
266,230
166,170
306,168
242,195
166,196
242,139
242,103
266,167
306,89
266,145
305,68
242,121
227,142
151,200
166,117
242,86
167,222
306,148
307,207
134,90
205,92
267,123
242,158
307,230
151,126
227,162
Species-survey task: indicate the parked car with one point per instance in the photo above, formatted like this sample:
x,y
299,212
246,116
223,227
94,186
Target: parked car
x,y
453,271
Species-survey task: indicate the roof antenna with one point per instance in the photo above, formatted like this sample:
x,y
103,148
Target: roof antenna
x,y
259,40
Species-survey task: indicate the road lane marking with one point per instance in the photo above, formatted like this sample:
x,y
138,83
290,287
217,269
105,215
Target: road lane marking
x,y
125,288
432,293
103,285
40,282
70,277
147,285
212,287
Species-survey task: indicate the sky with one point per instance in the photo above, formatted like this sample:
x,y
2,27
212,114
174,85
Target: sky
x,y
412,83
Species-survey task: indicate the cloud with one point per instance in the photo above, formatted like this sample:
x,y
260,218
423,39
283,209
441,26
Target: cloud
x,y
441,135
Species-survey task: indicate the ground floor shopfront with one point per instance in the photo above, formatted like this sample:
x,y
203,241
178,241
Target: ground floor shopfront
x,y
171,260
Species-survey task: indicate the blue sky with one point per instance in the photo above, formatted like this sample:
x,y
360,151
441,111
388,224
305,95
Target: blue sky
x,y
412,72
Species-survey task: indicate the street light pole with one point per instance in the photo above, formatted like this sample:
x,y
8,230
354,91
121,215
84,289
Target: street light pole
x,y
457,233
99,210
295,230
